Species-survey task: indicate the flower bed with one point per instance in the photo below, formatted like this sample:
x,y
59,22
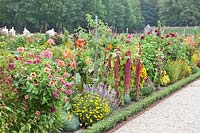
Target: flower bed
x,y
69,81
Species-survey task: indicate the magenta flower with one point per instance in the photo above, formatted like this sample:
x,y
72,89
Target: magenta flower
x,y
37,61
11,65
69,92
29,61
62,82
67,85
50,76
53,110
47,54
55,94
129,36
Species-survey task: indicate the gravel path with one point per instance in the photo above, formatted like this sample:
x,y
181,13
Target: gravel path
x,y
180,113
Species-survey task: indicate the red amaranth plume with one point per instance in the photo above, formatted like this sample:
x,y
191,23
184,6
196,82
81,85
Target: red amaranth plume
x,y
127,73
109,61
137,77
116,73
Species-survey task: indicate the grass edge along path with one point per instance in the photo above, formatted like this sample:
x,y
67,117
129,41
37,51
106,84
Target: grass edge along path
x,y
112,120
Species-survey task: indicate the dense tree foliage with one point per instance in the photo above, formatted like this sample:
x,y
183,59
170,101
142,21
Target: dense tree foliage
x,y
150,11
40,15
180,12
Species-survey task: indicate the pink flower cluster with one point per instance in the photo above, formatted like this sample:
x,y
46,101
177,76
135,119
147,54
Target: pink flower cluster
x,y
128,38
47,54
55,94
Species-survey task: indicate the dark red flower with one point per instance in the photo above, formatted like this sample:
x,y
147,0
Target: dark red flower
x,y
148,33
53,110
199,45
11,65
142,37
128,40
158,34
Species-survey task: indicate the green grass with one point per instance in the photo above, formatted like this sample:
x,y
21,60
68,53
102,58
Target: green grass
x,y
116,117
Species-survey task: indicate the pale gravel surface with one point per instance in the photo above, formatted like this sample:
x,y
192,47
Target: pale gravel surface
x,y
179,113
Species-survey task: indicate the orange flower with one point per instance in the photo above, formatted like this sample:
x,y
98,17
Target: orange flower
x,y
67,54
26,97
37,113
52,83
189,40
73,65
58,69
47,70
33,75
109,47
29,78
88,60
80,43
61,63
35,83
65,99
20,49
66,74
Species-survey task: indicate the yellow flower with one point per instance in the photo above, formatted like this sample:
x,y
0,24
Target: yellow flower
x,y
189,70
67,44
47,43
195,59
69,116
165,80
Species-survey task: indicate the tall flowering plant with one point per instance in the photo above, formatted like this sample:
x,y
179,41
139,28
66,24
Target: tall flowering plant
x,y
42,90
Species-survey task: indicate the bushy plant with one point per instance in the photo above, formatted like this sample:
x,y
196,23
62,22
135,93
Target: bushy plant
x,y
195,59
57,52
186,69
90,108
173,70
8,96
178,69
40,88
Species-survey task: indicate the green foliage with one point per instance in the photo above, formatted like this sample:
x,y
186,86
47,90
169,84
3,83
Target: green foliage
x,y
178,69
90,108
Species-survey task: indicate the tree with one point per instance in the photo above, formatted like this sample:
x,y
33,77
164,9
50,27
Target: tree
x,y
149,10
179,12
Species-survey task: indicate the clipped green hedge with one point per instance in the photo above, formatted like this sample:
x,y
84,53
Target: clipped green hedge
x,y
111,121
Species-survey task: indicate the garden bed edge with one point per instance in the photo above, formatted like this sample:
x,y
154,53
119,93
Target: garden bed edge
x,y
119,116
